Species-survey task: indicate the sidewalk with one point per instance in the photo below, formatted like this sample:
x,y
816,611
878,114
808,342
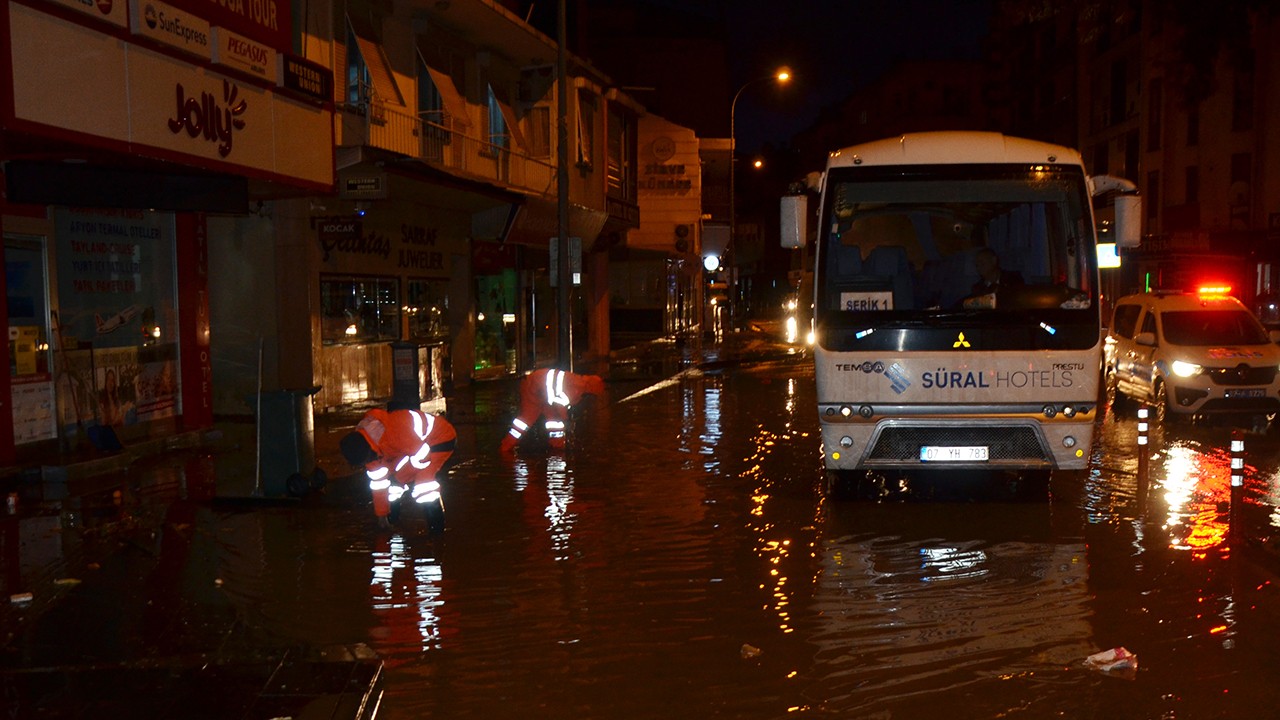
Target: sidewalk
x,y
64,582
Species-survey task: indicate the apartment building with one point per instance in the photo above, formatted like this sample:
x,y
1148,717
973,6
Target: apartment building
x,y
346,201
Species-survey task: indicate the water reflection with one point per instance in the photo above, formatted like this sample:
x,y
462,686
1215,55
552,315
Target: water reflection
x,y
406,598
1195,482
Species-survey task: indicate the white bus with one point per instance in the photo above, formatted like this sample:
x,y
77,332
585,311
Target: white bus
x,y
921,362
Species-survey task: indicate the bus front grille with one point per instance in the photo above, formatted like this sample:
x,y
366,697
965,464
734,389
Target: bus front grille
x,y
1003,442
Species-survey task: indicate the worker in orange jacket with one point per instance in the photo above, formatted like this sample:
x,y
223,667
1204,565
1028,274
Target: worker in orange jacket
x,y
402,451
547,394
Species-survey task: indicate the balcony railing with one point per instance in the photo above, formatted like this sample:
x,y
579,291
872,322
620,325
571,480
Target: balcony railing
x,y
436,144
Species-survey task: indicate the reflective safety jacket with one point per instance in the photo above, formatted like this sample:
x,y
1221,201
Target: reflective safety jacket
x,y
547,394
411,446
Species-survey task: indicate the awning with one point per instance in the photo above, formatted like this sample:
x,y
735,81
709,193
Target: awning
x,y
384,82
454,104
509,115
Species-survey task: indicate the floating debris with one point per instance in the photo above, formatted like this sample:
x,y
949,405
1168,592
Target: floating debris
x,y
1116,658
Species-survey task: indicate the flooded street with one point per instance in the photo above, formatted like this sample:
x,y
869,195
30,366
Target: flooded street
x,y
682,560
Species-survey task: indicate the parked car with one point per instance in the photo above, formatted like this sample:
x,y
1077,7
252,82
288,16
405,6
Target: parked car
x,y
1192,355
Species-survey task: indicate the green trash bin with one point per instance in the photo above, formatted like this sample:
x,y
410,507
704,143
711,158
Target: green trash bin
x,y
286,442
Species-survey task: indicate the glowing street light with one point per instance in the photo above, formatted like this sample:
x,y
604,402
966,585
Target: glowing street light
x,y
781,75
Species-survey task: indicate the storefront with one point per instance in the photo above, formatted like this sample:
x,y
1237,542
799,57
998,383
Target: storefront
x,y
121,140
392,277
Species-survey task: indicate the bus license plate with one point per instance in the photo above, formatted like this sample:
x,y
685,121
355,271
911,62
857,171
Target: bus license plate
x,y
953,453
1247,393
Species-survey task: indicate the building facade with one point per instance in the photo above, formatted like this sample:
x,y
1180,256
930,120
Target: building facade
x,y
205,202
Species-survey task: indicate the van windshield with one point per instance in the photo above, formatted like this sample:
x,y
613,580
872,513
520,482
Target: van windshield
x,y
1212,327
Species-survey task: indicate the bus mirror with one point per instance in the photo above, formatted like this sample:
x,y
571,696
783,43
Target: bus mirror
x,y
1128,220
793,212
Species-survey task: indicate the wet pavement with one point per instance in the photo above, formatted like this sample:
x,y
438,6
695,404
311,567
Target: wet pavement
x,y
679,559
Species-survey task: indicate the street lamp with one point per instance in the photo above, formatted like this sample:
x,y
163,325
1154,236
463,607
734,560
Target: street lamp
x,y
782,75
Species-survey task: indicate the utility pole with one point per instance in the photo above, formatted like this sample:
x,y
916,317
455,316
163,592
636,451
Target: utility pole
x,y
564,334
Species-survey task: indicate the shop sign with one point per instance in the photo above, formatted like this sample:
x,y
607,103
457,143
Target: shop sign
x,y
239,52
208,116
303,76
167,24
363,187
159,101
346,235
264,21
115,12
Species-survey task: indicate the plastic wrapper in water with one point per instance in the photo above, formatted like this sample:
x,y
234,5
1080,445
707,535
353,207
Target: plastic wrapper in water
x,y
1116,658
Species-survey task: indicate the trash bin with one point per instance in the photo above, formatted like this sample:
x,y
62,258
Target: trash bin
x,y
406,376
286,440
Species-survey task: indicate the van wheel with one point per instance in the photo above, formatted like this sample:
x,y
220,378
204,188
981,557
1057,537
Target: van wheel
x,y
1164,416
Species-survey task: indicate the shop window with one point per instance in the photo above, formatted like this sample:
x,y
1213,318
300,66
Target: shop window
x,y
355,310
28,307
426,310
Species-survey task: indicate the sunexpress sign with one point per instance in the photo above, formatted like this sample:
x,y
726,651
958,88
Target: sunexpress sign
x,y
174,27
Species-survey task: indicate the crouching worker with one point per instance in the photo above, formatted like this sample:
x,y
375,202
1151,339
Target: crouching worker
x,y
402,451
547,395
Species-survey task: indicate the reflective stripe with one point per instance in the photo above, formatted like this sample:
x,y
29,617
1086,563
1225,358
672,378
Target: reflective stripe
x,y
422,424
394,492
555,428
522,425
379,484
428,491
555,388
377,473
419,459
426,487
402,463
515,433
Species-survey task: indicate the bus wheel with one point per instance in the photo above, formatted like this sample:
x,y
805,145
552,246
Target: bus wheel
x,y
841,485
855,485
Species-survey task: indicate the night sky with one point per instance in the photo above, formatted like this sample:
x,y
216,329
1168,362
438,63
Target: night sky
x,y
834,46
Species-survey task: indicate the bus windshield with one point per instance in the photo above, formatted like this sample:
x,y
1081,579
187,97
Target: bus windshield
x,y
915,243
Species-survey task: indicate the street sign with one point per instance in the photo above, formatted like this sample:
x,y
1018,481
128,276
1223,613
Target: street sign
x,y
575,261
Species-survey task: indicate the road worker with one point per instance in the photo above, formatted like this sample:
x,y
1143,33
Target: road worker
x,y
547,395
402,451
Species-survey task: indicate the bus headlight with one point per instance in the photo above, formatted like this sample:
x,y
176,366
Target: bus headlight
x,y
1184,369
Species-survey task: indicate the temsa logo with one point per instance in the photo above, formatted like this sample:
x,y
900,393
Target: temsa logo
x,y
204,116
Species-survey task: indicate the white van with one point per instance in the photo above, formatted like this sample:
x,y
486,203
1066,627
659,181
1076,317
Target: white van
x,y
1191,355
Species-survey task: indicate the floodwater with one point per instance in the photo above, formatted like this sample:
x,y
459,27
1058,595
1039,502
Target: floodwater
x,y
681,559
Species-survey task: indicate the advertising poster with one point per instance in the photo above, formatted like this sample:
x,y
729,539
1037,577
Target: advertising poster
x,y
116,323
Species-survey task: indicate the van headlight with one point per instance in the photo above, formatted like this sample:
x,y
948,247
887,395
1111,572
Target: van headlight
x,y
1184,369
